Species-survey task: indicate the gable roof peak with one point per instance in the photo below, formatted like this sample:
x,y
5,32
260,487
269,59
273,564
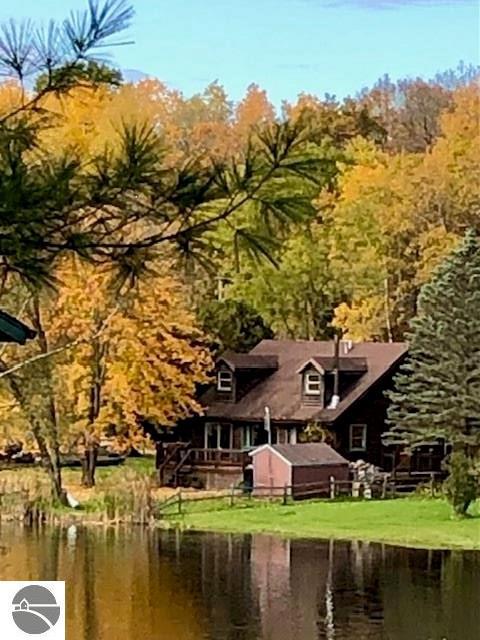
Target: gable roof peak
x,y
312,363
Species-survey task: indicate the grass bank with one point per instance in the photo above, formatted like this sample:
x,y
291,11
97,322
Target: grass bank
x,y
412,521
123,494
128,494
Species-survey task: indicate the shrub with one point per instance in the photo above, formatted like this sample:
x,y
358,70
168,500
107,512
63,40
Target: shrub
x,y
461,486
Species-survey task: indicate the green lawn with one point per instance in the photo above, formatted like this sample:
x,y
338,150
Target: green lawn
x,y
412,521
408,521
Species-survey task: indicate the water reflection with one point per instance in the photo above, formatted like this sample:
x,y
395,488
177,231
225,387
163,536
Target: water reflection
x,y
149,585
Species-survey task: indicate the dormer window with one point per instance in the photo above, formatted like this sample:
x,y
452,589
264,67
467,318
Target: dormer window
x,y
312,383
224,380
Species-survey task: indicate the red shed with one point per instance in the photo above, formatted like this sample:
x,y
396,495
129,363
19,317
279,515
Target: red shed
x,y
296,465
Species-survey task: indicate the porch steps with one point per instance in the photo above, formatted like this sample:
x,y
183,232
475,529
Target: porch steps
x,y
178,465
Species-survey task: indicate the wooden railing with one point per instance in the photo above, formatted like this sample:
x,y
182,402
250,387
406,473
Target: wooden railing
x,y
332,489
180,455
174,452
219,457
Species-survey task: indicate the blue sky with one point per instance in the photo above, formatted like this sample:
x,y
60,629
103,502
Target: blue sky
x,y
287,46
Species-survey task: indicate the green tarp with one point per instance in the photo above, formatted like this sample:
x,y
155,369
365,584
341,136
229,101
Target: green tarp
x,y
12,330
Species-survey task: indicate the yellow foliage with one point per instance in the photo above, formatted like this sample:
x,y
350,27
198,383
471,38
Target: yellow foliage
x,y
137,355
397,216
361,320
10,97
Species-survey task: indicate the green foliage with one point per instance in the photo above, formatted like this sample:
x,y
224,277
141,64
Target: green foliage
x,y
461,486
296,295
233,325
436,393
316,432
81,73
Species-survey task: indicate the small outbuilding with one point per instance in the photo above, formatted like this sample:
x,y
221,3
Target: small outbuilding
x,y
305,468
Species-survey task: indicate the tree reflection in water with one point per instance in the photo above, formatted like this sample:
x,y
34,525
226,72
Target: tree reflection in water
x,y
132,584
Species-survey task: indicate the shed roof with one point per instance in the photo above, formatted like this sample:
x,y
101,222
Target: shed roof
x,y
309,454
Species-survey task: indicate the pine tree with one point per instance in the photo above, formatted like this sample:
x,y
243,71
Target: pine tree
x,y
437,392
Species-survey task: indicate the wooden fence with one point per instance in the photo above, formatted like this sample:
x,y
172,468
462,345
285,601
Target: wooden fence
x,y
183,501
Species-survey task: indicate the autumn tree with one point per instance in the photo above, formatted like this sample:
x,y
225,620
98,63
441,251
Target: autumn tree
x,y
120,355
333,122
254,110
408,110
398,216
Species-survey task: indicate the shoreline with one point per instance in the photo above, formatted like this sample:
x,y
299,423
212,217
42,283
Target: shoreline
x,y
412,522
126,496
409,522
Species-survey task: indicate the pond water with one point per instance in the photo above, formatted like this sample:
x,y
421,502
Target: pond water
x,y
132,585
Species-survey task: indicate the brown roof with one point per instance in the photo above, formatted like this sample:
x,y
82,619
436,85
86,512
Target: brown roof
x,y
281,391
346,363
246,361
307,454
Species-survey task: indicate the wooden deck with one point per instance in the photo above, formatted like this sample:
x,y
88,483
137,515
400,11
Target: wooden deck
x,y
179,458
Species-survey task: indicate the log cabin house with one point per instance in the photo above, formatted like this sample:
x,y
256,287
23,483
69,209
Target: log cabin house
x,y
274,393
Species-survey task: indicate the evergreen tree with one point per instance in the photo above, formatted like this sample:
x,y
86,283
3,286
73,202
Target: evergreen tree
x,y
233,325
437,392
127,202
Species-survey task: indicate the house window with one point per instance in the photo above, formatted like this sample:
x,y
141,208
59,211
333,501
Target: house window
x,y
254,435
358,437
313,383
218,436
211,435
224,381
225,436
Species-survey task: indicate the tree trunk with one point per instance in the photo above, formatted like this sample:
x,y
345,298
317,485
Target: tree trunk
x,y
89,465
51,452
51,462
50,456
388,316
89,461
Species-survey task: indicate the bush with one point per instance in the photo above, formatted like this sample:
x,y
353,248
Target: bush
x,y
461,486
129,495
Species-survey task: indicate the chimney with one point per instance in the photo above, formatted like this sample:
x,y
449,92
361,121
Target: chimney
x,y
347,346
336,374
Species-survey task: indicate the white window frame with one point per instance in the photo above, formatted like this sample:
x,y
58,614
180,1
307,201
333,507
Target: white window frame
x,y
211,427
216,428
247,437
307,383
227,383
354,426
